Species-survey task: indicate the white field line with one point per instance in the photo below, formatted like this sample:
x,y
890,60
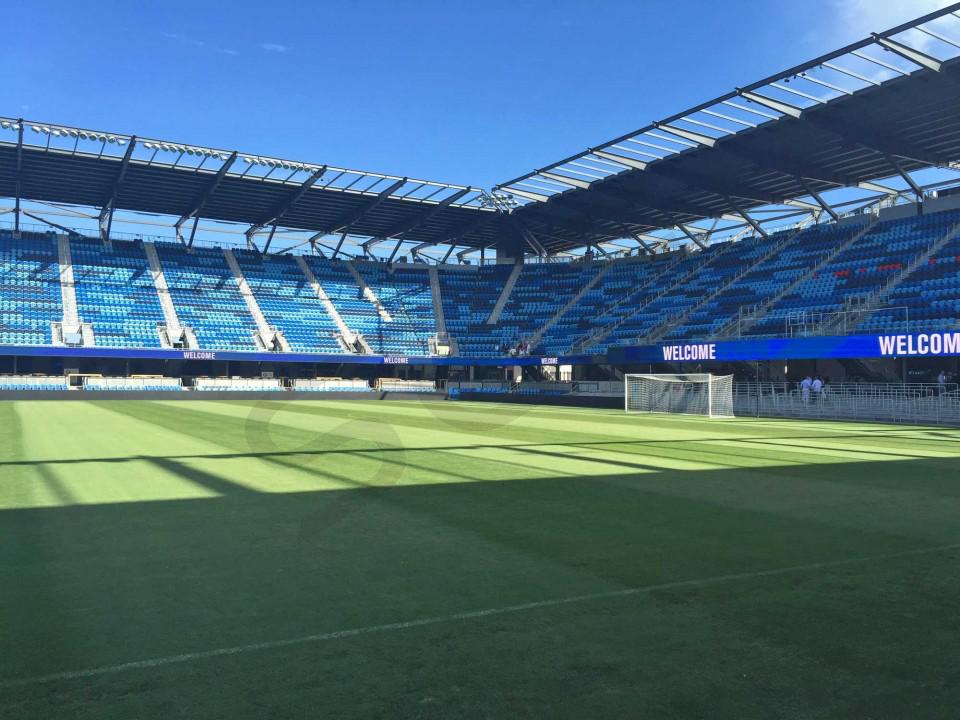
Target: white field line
x,y
454,617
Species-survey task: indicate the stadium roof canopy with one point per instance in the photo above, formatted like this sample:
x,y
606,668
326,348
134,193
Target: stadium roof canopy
x,y
883,107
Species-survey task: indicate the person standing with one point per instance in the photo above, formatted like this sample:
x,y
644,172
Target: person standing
x,y
817,387
805,386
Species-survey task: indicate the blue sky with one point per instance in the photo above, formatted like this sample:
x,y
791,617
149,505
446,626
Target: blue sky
x,y
472,93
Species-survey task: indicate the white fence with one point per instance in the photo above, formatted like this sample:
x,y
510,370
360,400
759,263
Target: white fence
x,y
237,384
132,384
917,403
331,385
33,382
394,385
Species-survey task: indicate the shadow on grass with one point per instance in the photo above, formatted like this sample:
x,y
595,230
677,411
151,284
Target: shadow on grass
x,y
91,585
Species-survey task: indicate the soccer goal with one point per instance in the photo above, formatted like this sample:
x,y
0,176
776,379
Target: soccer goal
x,y
697,394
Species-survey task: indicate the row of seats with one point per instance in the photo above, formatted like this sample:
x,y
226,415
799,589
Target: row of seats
x,y
30,299
331,385
132,384
235,384
115,292
406,295
395,385
32,382
289,301
687,294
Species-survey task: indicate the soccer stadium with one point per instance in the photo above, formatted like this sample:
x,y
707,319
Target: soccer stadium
x,y
668,428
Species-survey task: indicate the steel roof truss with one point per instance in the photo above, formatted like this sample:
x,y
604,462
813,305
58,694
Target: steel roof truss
x,y
18,178
348,220
201,201
908,53
749,220
906,177
282,208
105,220
820,201
781,107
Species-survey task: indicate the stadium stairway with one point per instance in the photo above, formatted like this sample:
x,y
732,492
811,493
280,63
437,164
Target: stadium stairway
x,y
205,293
347,338
839,293
537,336
877,298
71,330
675,323
612,308
746,318
701,263
505,294
437,296
173,332
469,294
269,338
405,294
368,293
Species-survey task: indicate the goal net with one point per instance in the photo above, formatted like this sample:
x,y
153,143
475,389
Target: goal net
x,y
697,394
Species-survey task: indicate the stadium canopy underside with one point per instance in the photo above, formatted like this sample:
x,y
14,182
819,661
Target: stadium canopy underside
x,y
853,128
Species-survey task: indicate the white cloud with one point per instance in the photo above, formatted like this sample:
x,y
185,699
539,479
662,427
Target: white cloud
x,y
274,47
853,20
197,43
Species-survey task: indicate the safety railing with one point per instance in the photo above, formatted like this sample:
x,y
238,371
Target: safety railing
x,y
916,403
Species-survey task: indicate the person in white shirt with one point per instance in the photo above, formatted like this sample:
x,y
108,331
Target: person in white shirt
x,y
805,389
817,387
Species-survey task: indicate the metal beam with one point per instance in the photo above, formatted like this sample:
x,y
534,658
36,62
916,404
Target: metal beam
x,y
749,220
693,238
18,182
105,220
881,143
528,236
905,51
786,163
449,252
601,250
538,197
658,243
643,244
696,137
336,250
457,233
273,231
284,206
622,159
396,248
699,181
343,223
565,180
630,200
778,105
69,231
420,219
820,201
460,254
201,201
906,176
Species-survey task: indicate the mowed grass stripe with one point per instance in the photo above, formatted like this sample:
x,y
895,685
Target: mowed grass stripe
x,y
343,515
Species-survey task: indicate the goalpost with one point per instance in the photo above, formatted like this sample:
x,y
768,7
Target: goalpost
x,y
692,394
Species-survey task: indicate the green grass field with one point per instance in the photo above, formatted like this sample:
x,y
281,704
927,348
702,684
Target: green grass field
x,y
455,560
